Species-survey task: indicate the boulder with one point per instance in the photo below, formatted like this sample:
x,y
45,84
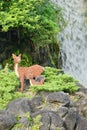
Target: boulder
x,y
6,121
18,106
62,111
35,103
71,119
50,120
82,123
58,97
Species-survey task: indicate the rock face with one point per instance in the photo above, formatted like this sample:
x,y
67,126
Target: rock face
x,y
74,38
19,106
6,121
57,110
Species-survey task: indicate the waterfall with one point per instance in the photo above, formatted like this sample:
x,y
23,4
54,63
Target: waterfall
x,y
74,39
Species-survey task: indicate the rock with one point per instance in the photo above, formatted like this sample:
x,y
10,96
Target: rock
x,y
58,97
24,121
45,121
70,119
57,110
35,103
85,112
82,124
19,106
62,128
6,121
55,120
81,105
50,120
62,111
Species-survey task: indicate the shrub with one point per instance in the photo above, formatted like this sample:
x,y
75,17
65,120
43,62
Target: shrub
x,y
31,18
56,81
8,85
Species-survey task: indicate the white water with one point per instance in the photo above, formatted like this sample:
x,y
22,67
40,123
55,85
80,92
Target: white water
x,y
74,40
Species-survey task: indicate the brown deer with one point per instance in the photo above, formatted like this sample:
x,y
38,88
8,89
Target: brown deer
x,y
26,72
38,81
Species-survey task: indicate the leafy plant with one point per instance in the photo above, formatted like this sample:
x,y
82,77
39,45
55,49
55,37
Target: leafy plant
x,y
8,85
56,81
36,123
31,19
26,60
57,128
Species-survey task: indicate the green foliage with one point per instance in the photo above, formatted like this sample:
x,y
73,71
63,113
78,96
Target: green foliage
x,y
38,19
26,60
36,123
56,81
8,85
57,128
9,62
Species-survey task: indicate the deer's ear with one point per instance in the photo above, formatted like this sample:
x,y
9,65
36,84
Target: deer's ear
x,y
19,55
13,56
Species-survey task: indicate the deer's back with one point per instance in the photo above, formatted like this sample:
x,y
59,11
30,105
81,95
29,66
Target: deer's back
x,y
36,70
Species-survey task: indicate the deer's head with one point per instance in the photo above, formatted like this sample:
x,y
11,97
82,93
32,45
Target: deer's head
x,y
16,59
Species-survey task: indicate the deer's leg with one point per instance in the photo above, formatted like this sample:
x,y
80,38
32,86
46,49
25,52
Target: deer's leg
x,y
22,84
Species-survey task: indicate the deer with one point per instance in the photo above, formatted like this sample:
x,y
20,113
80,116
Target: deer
x,y
38,81
26,72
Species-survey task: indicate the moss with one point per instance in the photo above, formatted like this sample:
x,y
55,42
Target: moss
x,y
34,123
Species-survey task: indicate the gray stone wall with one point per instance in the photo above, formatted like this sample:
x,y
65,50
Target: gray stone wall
x,y
74,38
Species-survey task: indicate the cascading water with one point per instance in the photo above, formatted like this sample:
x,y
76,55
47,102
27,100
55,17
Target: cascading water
x,y
74,39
